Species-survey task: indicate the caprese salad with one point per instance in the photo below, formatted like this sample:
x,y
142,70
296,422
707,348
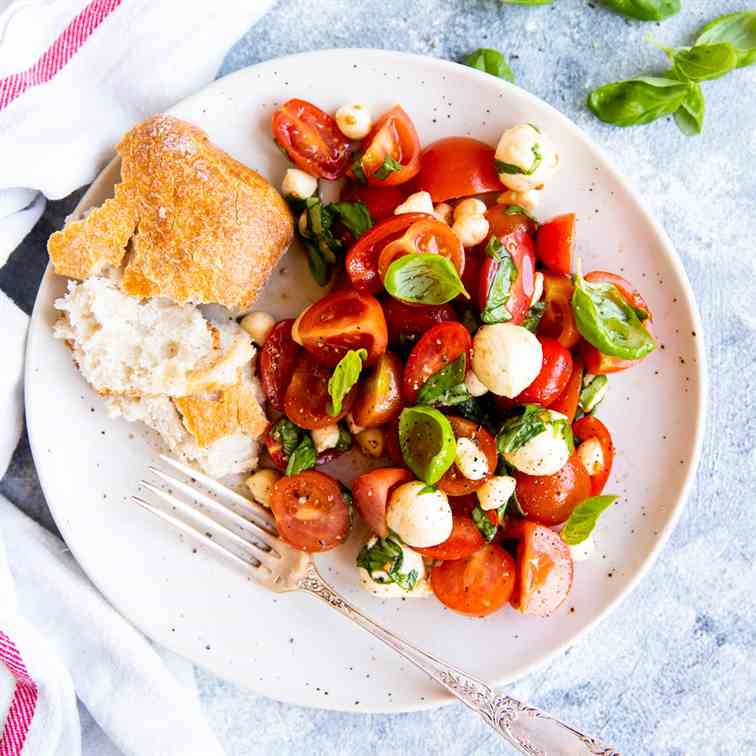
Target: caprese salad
x,y
461,343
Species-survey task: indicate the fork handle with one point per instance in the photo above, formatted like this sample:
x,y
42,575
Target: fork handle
x,y
528,729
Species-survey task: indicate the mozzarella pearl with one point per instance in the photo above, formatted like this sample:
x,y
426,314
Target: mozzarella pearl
x,y
537,288
298,184
496,492
469,206
583,551
516,147
419,202
506,358
258,325
354,120
473,384
325,438
411,560
443,211
260,484
419,519
528,201
544,454
591,455
471,229
470,460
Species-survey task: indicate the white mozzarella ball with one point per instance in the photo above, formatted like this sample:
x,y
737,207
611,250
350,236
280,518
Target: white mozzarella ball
x,y
298,184
380,584
471,229
474,385
443,211
591,455
419,519
528,201
325,438
470,460
506,358
419,202
583,551
520,147
544,454
537,288
470,206
354,120
258,325
496,492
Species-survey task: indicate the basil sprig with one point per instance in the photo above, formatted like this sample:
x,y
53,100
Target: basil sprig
x,y
427,442
490,61
388,167
702,62
386,556
423,278
583,519
645,10
534,420
303,457
495,309
690,115
739,29
513,170
637,101
344,376
593,392
446,387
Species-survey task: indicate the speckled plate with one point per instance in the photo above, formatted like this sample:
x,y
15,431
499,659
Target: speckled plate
x,y
291,647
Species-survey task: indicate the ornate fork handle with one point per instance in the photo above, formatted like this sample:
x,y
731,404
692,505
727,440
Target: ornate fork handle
x,y
530,730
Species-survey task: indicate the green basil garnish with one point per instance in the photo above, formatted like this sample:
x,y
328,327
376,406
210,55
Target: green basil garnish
x,y
386,556
344,376
354,215
739,29
533,316
637,101
495,309
358,170
512,169
447,386
303,457
689,116
519,210
702,62
427,442
345,439
485,526
287,434
490,61
645,10
593,392
517,431
423,278
388,167
584,517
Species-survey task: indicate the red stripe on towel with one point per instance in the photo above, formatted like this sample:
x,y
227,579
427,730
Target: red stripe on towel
x,y
23,704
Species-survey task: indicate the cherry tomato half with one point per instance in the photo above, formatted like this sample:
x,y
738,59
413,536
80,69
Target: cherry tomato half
x,y
464,541
409,321
340,321
371,492
439,346
457,167
591,427
550,499
556,370
558,322
554,243
381,201
477,585
453,482
379,397
278,358
311,139
567,401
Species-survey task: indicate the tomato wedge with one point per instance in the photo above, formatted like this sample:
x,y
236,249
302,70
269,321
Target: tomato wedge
x,y
453,482
371,492
391,151
310,511
381,201
278,358
477,585
544,570
439,346
550,499
311,139
307,399
556,371
340,321
503,221
554,243
591,427
407,322
567,401
558,322
457,167
464,541
379,397
362,258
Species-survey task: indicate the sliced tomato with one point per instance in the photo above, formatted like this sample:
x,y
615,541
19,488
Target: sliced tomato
x,y
307,399
278,358
567,401
465,540
556,370
477,585
439,346
340,321
558,322
457,167
554,243
474,259
453,482
427,236
393,136
311,139
381,201
371,492
362,258
379,397
503,222
550,499
591,427
407,322
544,570
310,511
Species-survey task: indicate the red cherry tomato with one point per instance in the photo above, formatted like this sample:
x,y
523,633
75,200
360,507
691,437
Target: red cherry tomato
x,y
474,259
556,371
380,201
278,357
550,499
591,427
457,167
307,399
567,401
362,258
544,570
311,139
379,397
310,511
503,223
393,136
465,540
477,585
340,321
371,492
410,321
439,346
453,482
558,322
464,505
554,243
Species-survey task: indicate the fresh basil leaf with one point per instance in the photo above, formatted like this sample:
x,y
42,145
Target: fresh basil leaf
x,y
427,489
445,384
303,457
637,101
702,62
287,434
512,169
495,309
519,511
344,376
739,29
423,278
645,10
689,116
518,430
584,517
345,439
355,216
358,170
479,409
485,526
385,557
427,442
320,269
593,392
533,316
388,167
490,61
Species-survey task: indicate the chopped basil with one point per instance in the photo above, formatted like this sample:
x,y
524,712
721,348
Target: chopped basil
x,y
485,526
358,170
702,62
490,61
427,442
512,169
739,29
495,309
427,489
355,216
388,167
446,387
517,431
423,278
584,517
533,317
287,434
344,376
345,439
637,101
303,457
690,115
645,10
593,392
385,557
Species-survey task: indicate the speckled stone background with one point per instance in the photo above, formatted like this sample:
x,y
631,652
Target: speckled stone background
x,y
673,670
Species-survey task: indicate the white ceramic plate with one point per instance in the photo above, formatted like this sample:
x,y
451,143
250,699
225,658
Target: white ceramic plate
x,y
291,647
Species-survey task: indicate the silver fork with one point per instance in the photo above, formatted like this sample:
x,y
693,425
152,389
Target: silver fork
x,y
245,532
